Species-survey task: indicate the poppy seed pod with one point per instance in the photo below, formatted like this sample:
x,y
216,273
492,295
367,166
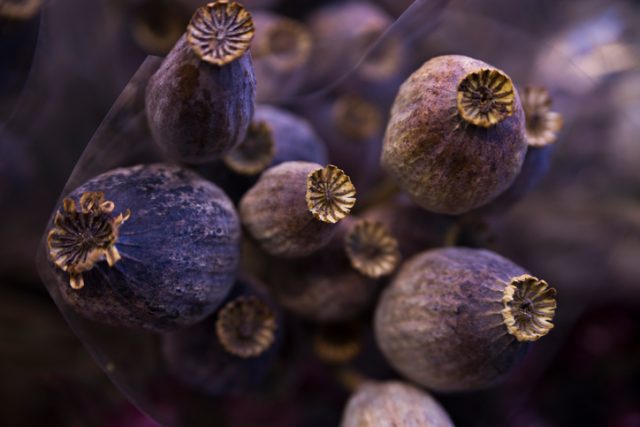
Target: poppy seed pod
x,y
276,136
201,100
393,403
343,32
455,139
415,229
153,247
232,350
293,209
458,319
324,287
281,53
352,128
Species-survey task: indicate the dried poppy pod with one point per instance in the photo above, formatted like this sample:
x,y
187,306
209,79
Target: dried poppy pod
x,y
393,403
153,247
292,210
343,33
281,53
542,126
19,10
352,127
458,319
455,139
276,136
323,287
232,350
415,229
201,100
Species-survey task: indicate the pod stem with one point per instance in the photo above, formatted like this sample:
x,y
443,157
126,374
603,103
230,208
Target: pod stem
x,y
529,307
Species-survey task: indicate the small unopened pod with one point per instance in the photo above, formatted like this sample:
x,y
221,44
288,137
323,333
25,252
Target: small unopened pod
x,y
542,127
339,281
201,100
456,136
393,403
231,351
459,319
281,51
294,208
153,247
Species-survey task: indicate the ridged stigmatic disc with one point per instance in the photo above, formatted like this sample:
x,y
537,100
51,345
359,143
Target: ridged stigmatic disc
x,y
330,194
542,124
485,97
529,307
220,32
246,327
373,251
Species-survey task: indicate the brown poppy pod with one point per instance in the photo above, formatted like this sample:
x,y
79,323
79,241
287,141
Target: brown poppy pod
x,y
456,136
201,100
459,319
393,403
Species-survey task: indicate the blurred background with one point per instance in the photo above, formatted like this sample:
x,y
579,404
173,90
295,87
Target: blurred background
x,y
64,63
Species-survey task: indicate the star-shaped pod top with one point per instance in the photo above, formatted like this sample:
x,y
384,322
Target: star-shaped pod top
x,y
220,32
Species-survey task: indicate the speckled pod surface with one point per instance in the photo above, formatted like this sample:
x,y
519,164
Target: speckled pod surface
x,y
440,324
198,111
276,214
196,358
391,404
179,250
446,164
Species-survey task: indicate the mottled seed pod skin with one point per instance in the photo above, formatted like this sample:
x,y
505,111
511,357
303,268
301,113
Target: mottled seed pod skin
x,y
445,323
393,403
196,357
179,250
277,211
198,111
448,155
